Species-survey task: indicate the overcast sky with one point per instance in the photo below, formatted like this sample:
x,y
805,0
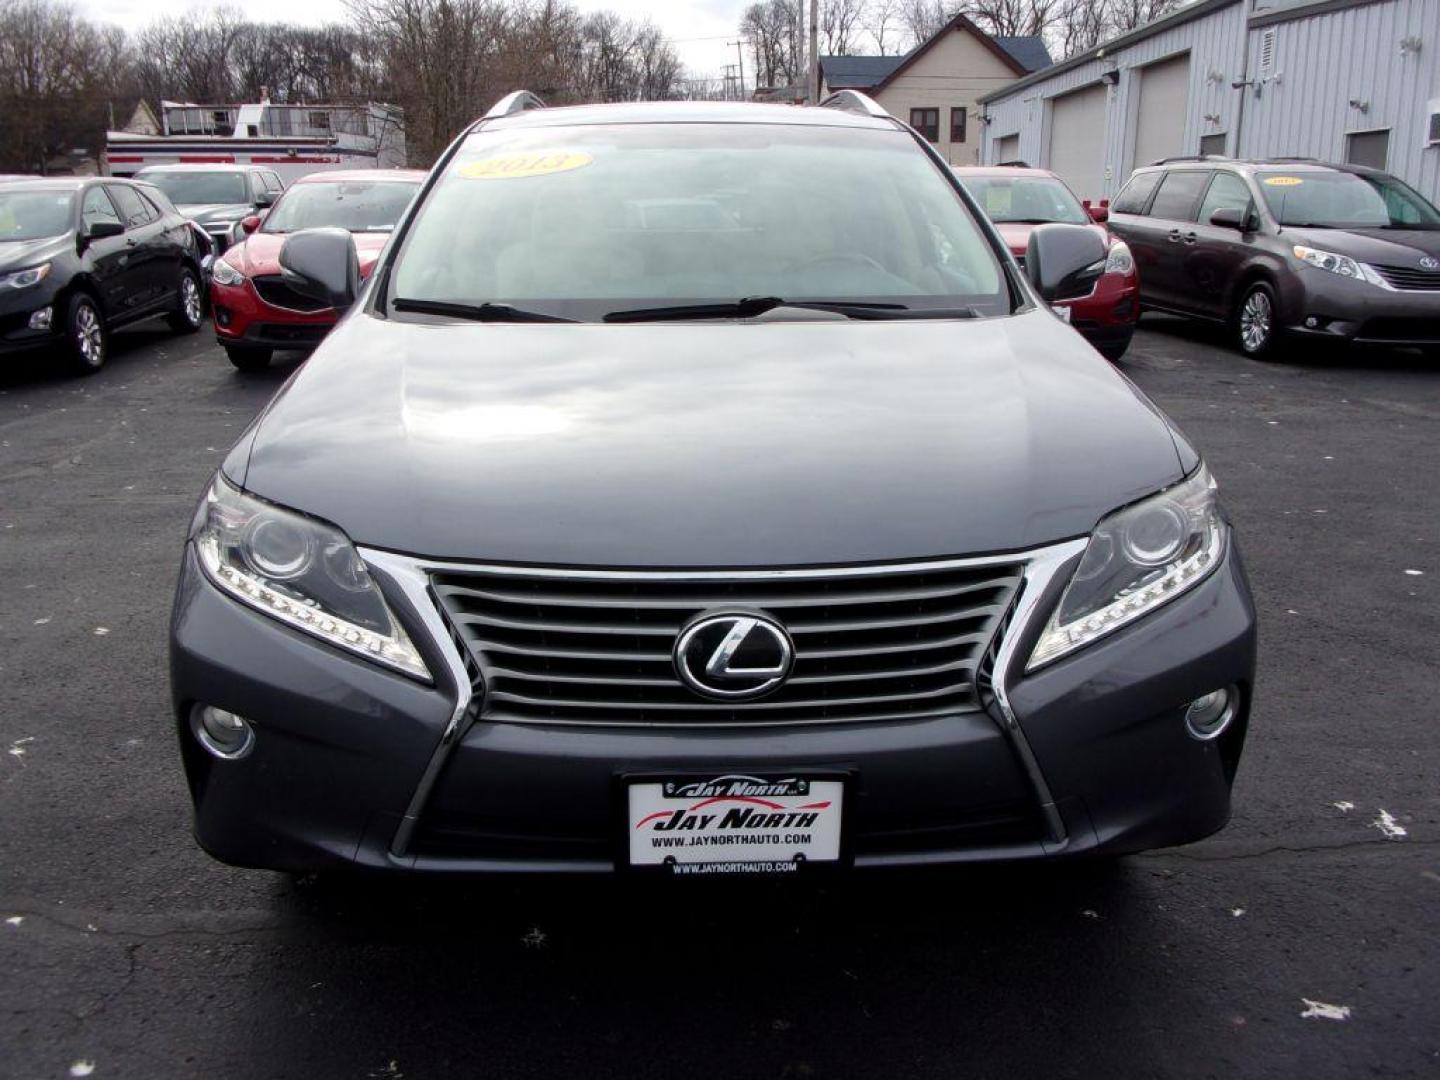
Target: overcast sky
x,y
698,28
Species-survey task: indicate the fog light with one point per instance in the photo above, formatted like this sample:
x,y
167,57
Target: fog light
x,y
222,315
1210,714
1311,321
40,320
223,733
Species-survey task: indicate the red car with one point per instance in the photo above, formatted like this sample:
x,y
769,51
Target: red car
x,y
255,311
1017,199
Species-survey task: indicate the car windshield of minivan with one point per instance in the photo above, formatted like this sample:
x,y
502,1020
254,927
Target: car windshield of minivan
x,y
360,206
1338,200
1031,199
582,222
196,188
33,215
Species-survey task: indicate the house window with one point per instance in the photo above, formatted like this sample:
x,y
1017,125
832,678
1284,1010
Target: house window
x,y
957,125
926,122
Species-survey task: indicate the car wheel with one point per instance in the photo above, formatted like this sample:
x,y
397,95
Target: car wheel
x,y
248,358
1256,322
189,313
86,340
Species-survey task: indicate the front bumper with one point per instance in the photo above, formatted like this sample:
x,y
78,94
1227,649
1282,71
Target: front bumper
x,y
1345,310
16,309
1106,318
355,766
242,318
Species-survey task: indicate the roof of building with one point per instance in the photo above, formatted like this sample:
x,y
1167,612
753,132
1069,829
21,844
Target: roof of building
x,y
1190,12
1024,55
858,72
1029,50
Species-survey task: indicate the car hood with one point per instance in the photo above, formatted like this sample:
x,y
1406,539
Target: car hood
x,y
1388,247
1016,234
720,444
208,212
18,254
260,252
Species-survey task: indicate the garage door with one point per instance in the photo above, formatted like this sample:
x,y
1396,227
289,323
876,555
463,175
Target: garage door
x,y
1160,121
1007,149
1077,140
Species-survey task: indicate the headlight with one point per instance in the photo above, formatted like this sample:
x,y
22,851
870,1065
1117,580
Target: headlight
x,y
1119,261
226,274
23,279
1328,260
1138,559
302,572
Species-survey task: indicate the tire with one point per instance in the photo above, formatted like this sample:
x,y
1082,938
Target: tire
x,y
248,358
189,313
1255,323
87,342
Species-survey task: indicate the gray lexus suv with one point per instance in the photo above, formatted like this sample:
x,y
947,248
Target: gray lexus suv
x,y
700,488
1287,250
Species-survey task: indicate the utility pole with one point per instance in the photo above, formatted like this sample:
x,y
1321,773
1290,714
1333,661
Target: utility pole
x,y
740,57
814,91
800,45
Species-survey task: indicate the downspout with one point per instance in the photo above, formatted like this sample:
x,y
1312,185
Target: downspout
x,y
1244,84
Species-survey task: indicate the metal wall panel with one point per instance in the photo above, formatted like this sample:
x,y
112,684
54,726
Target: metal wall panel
x,y
1324,59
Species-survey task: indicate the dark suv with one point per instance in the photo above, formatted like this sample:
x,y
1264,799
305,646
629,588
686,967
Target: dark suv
x,y
702,487
217,197
1285,248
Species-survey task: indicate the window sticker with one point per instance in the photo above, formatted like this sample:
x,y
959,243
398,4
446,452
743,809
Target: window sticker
x,y
524,166
1283,181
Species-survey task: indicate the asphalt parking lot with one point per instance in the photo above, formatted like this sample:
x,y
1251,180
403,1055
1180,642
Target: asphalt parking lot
x,y
1304,940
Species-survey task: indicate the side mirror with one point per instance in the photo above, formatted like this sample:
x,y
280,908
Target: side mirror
x,y
99,230
1098,214
1064,261
249,224
322,264
266,199
1230,217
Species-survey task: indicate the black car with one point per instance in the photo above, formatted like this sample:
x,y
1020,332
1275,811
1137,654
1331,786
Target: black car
x,y
217,197
702,488
1285,249
80,256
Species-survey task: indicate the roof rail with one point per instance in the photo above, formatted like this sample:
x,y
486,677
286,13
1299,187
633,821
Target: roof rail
x,y
1288,159
856,102
1017,163
1191,157
517,102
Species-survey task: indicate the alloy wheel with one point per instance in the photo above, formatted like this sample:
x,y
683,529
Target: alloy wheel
x,y
1256,316
190,300
89,336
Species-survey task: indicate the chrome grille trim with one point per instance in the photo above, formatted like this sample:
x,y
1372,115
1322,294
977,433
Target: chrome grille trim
x,y
592,647
1409,279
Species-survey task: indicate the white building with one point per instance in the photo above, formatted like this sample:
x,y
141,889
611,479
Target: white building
x,y
1337,80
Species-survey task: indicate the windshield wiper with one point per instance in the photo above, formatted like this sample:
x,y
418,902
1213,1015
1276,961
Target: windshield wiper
x,y
750,306
486,312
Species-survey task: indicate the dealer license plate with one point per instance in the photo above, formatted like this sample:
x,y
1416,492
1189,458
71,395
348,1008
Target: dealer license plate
x,y
734,823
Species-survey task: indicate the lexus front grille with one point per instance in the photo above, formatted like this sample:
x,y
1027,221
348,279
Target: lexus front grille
x,y
884,643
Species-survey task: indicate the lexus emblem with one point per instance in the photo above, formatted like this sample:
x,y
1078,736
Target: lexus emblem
x,y
733,655
1429,263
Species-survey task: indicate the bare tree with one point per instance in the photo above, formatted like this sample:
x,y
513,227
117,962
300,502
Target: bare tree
x,y
772,29
923,19
54,79
882,21
840,25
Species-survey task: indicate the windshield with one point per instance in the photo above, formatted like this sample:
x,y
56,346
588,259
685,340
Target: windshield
x,y
1337,200
194,188
359,206
32,215
584,221
1026,198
